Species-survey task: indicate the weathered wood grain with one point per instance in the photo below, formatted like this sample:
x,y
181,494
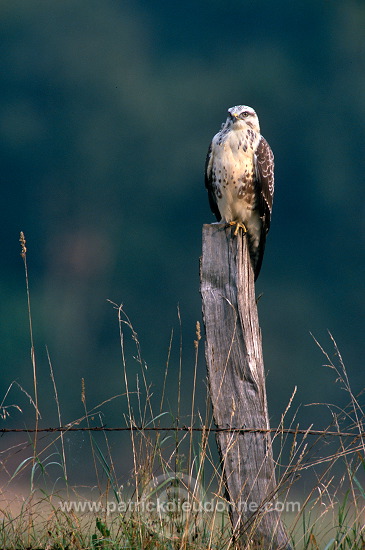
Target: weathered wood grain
x,y
237,387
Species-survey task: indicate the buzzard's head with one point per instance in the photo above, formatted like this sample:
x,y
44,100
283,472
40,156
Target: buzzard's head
x,y
242,116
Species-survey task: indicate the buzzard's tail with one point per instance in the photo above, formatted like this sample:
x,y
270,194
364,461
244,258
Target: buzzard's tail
x,y
257,253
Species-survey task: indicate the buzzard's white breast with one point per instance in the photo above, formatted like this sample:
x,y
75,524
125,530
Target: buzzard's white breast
x,y
233,171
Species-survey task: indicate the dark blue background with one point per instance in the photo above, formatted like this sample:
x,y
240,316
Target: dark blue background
x,y
107,109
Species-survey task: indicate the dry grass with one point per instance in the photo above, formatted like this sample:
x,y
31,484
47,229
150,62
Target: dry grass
x,y
173,468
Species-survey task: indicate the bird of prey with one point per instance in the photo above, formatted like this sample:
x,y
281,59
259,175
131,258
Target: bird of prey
x,y
239,177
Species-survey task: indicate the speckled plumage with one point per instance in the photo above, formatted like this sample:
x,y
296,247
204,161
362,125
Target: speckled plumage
x,y
239,177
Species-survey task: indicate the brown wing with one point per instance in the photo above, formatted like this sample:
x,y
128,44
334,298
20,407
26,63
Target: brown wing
x,y
265,188
209,185
265,181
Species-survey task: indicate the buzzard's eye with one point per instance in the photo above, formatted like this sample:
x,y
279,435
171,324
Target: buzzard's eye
x,y
245,114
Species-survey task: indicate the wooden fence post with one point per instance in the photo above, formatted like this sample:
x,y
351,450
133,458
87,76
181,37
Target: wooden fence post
x,y
237,388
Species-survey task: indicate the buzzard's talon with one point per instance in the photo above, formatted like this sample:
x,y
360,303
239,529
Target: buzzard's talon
x,y
238,226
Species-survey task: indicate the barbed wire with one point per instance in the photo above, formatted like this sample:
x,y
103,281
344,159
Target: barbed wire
x,y
292,431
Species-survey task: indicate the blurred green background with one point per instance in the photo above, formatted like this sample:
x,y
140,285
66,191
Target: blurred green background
x,y
106,113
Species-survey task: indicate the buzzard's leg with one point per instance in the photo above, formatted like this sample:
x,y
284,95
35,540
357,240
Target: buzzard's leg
x,y
238,226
